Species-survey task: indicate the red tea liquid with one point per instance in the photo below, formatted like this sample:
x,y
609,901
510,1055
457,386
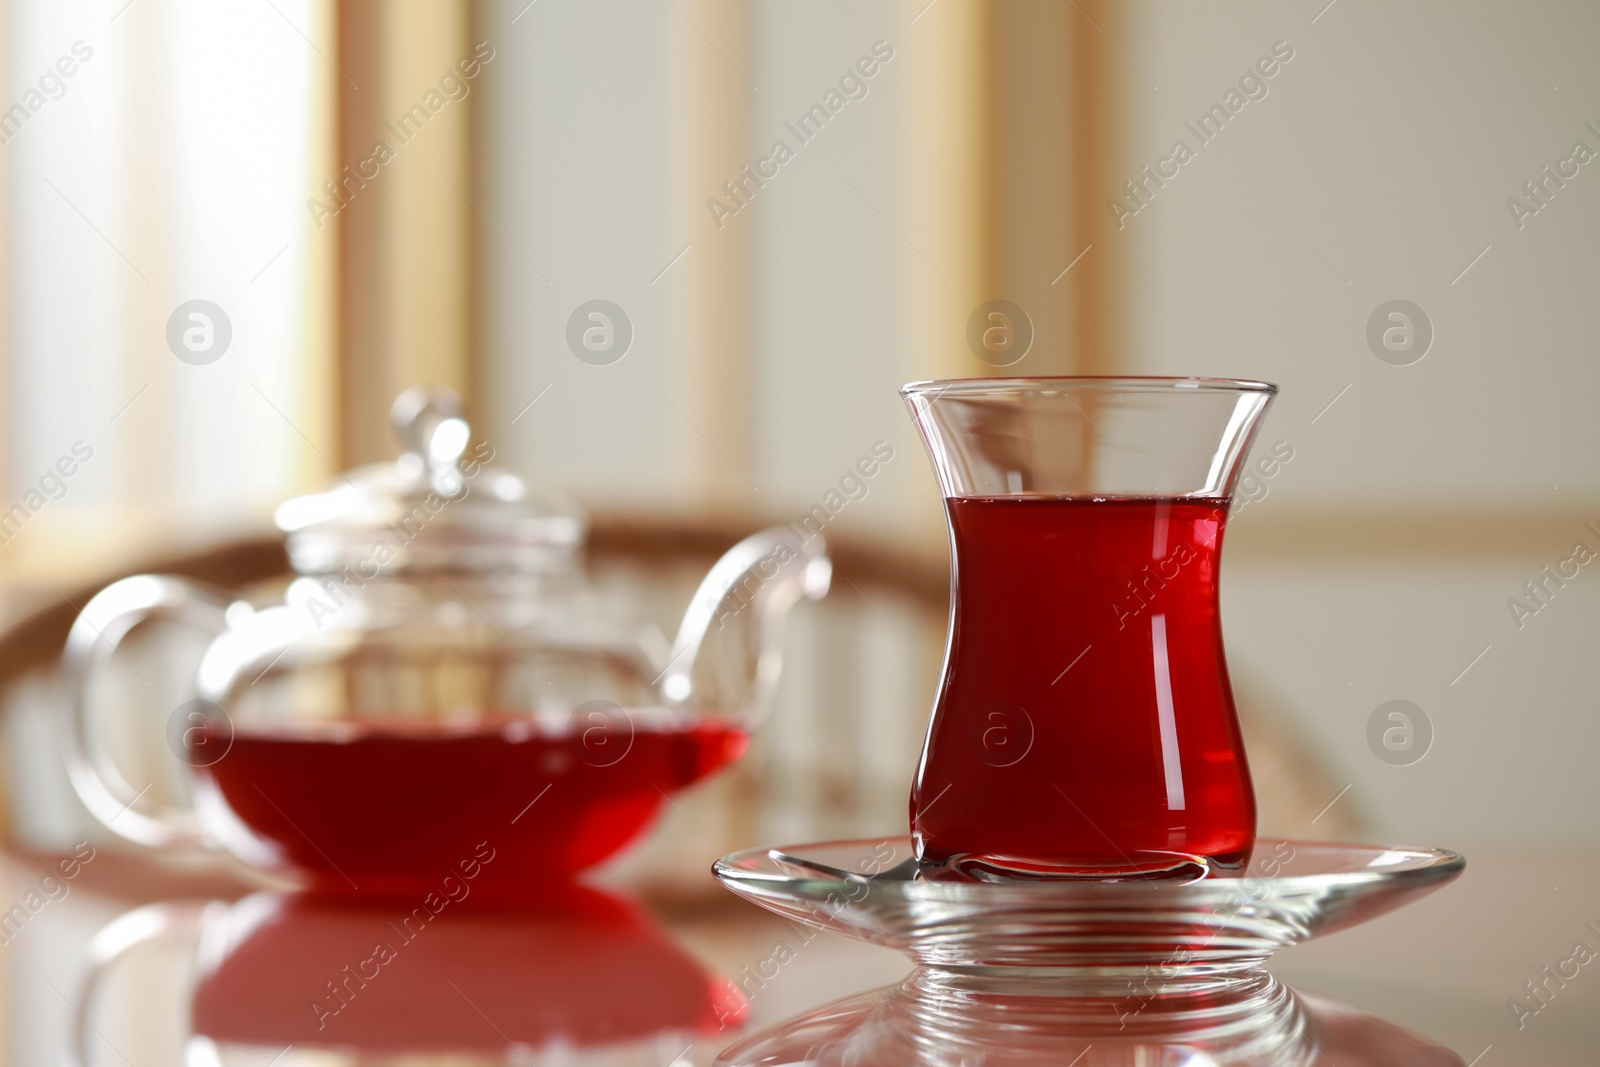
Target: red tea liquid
x,y
1085,723
388,806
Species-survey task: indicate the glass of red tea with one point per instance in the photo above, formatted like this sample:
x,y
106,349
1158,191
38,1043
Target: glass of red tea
x,y
1084,725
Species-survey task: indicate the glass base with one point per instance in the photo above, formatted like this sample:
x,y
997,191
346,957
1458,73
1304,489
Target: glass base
x,y
1137,867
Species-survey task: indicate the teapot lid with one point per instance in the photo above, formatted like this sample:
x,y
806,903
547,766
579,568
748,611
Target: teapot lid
x,y
438,507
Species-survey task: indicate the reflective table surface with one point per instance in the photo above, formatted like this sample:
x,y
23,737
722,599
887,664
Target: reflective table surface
x,y
108,961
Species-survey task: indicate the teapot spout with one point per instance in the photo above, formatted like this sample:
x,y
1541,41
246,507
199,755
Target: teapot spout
x,y
729,649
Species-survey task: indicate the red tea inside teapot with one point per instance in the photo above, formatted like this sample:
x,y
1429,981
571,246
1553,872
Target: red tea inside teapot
x,y
384,806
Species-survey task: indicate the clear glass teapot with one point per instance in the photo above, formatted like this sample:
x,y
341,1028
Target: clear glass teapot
x,y
439,679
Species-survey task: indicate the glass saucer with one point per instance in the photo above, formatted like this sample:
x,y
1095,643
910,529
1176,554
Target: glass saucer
x,y
1165,936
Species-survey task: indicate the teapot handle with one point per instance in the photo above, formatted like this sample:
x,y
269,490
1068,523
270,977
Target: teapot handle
x,y
95,637
738,612
164,923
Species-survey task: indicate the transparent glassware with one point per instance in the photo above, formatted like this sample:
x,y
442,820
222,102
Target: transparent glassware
x,y
1084,725
439,677
1094,891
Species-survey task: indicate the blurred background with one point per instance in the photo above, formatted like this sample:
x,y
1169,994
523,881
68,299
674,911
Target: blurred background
x,y
1386,209
216,152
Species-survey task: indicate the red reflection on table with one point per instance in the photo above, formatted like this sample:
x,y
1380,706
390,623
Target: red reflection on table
x,y
586,969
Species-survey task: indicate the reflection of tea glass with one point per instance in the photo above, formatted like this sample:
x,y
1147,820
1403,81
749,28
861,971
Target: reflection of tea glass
x,y
1084,725
440,674
938,1019
590,977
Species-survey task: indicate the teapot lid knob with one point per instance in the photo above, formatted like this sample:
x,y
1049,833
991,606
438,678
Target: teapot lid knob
x,y
494,520
429,424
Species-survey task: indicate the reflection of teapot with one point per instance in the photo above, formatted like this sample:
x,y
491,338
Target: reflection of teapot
x,y
589,971
440,677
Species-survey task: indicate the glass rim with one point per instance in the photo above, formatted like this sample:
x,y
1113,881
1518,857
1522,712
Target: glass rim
x,y
937,387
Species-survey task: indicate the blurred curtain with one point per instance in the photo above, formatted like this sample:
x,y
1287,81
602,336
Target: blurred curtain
x,y
371,193
1012,128
161,153
156,154
404,208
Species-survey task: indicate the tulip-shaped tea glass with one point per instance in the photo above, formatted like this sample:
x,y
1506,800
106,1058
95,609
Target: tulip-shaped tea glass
x,y
1084,726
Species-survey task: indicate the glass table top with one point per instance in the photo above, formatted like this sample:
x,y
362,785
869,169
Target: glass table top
x,y
122,964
